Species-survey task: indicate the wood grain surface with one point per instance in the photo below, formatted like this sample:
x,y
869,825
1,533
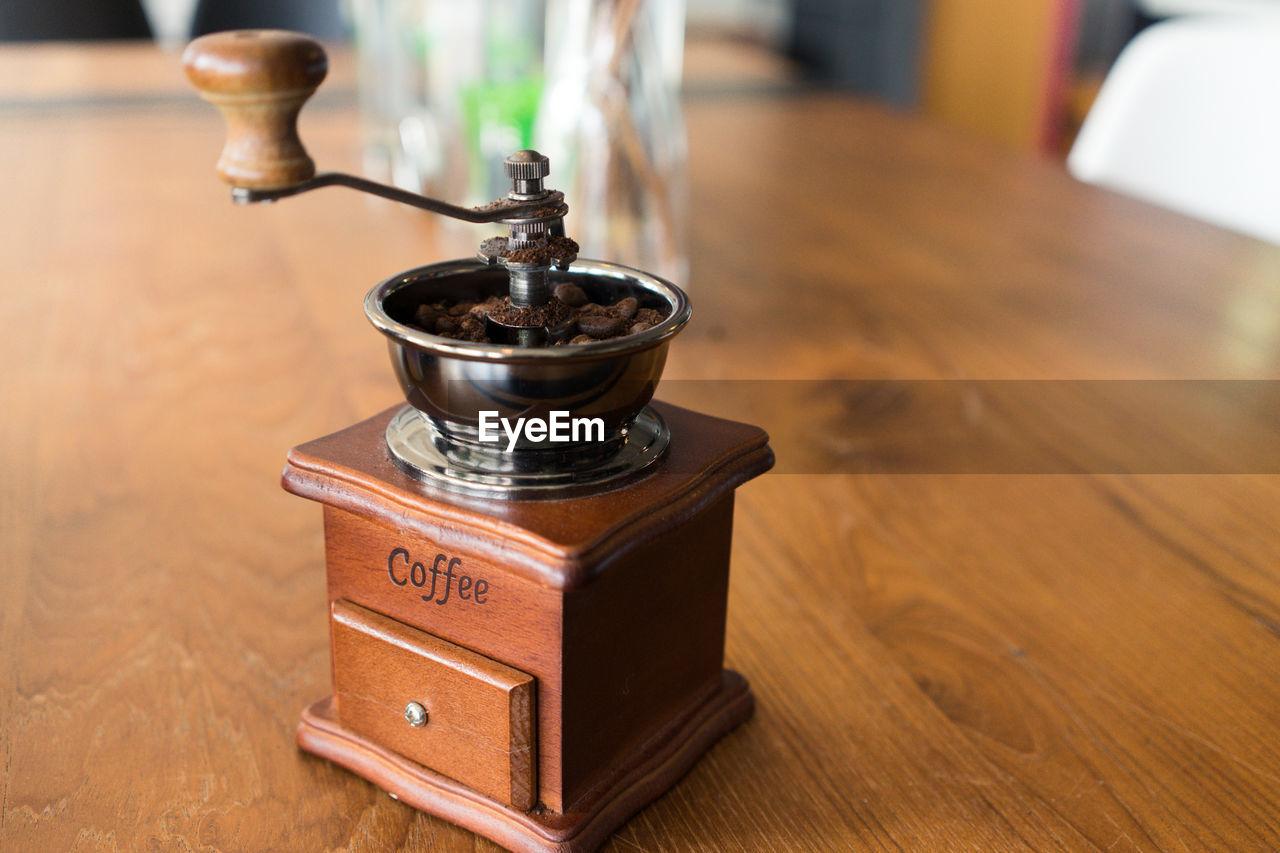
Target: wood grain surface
x,y
940,661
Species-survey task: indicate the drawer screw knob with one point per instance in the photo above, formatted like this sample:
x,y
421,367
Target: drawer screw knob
x,y
415,714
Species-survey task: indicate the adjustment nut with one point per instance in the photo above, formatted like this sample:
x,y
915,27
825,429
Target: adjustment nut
x,y
527,165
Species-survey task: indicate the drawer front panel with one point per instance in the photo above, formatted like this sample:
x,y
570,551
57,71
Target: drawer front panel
x,y
471,719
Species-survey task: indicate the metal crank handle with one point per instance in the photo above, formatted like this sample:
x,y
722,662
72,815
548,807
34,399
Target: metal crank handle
x,y
498,211
259,80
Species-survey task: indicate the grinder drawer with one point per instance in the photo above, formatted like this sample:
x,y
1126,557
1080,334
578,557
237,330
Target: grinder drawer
x,y
456,712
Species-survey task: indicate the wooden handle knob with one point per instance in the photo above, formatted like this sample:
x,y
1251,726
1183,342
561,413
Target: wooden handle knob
x,y
259,79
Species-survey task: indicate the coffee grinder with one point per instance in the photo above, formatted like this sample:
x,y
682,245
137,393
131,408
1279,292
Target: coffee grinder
x,y
527,635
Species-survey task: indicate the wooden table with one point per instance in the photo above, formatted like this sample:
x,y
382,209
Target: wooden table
x,y
945,656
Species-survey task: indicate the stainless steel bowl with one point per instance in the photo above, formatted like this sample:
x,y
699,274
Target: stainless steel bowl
x,y
449,383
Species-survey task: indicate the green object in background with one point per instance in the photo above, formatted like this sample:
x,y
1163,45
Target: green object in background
x,y
497,118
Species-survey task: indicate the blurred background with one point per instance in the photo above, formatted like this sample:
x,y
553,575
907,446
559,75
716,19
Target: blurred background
x,y
447,89
1020,71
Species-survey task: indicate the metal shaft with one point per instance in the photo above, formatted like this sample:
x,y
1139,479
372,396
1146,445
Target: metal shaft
x,y
529,286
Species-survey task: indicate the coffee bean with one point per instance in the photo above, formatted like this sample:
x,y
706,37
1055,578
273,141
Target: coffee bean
x,y
426,316
627,308
466,320
600,325
571,295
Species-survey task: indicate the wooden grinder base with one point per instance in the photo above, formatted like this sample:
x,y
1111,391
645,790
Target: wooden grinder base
x,y
574,670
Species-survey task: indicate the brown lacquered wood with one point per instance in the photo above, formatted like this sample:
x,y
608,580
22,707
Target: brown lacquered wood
x,y
259,80
649,771
623,640
479,728
940,662
563,544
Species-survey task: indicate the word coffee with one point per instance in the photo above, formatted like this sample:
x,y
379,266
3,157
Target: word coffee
x,y
405,573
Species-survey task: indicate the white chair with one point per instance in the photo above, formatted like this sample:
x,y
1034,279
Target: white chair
x,y
1189,119
1168,8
